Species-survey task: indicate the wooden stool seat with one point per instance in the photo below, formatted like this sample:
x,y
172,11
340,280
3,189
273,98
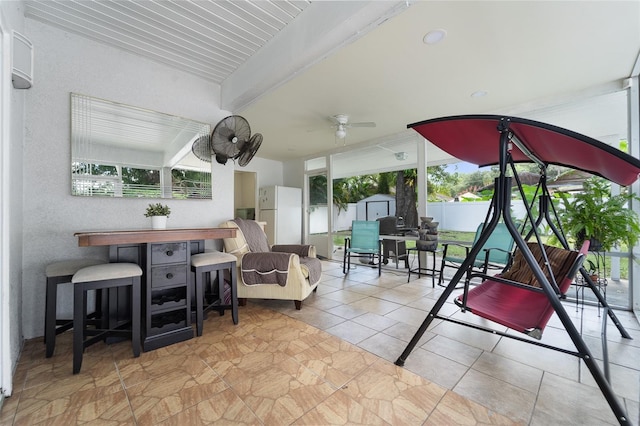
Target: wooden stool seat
x,y
59,273
97,277
206,263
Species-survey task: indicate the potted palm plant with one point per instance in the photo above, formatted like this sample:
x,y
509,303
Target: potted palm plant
x,y
596,215
158,213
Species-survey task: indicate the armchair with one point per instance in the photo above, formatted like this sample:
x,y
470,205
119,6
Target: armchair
x,y
284,272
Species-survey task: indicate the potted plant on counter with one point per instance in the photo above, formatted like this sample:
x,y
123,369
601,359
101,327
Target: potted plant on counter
x,y
158,213
596,215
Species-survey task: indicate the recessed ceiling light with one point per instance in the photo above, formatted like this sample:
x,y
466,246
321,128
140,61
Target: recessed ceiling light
x,y
479,93
434,37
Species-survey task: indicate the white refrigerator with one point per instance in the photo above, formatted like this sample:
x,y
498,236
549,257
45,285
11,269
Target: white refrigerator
x,y
281,209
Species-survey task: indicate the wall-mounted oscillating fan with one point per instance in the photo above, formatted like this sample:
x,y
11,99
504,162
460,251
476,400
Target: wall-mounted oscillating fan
x,y
201,148
231,139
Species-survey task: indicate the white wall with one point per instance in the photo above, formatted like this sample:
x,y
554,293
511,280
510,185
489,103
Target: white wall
x,y
12,17
269,172
66,63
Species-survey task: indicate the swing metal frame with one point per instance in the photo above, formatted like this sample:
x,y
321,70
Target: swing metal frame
x,y
511,145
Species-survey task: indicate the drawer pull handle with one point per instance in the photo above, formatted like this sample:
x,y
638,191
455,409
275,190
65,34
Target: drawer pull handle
x,y
169,275
169,252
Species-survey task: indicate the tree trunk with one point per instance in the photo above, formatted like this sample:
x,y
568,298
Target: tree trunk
x,y
406,202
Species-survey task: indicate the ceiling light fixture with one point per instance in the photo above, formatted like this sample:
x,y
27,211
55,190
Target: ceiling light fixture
x,y
341,132
434,37
479,93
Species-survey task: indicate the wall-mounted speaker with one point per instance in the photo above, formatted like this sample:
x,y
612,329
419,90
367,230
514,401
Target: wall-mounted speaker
x,y
21,61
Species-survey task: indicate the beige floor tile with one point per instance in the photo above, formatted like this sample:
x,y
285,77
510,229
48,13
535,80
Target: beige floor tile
x,y
436,368
108,408
317,318
624,381
222,408
336,361
563,401
351,331
366,289
395,394
509,371
401,297
376,305
407,315
384,346
345,296
454,350
511,401
551,361
479,339
283,392
346,311
283,366
339,409
405,332
375,321
456,410
171,393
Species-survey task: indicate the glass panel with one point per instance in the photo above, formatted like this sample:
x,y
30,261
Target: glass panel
x,y
122,151
317,214
316,163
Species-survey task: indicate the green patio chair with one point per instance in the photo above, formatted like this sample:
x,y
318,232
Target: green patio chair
x,y
363,243
495,254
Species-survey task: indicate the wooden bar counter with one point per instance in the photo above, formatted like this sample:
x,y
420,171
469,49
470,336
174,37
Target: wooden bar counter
x,y
108,238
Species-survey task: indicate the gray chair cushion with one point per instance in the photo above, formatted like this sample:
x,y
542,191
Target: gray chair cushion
x,y
69,267
211,258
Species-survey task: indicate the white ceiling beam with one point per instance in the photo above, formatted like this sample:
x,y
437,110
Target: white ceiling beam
x,y
318,31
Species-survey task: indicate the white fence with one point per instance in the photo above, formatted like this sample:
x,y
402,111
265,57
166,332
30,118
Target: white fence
x,y
466,216
451,216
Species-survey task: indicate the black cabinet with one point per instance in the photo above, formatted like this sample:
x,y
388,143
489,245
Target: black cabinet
x,y
166,294
167,298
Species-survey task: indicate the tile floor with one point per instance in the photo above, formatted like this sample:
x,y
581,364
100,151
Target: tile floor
x,y
332,363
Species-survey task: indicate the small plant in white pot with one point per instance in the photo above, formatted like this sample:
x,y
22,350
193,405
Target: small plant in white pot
x,y
158,214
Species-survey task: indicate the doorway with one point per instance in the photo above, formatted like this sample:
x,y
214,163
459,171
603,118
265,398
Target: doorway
x,y
245,197
317,213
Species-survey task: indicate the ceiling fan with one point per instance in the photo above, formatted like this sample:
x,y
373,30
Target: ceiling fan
x,y
341,123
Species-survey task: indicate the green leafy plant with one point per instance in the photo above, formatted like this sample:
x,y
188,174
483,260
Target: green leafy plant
x,y
157,209
594,214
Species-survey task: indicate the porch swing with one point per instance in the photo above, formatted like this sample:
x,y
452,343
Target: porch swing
x,y
528,292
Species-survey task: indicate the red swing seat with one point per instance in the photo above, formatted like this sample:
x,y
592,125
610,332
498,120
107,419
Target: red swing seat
x,y
515,299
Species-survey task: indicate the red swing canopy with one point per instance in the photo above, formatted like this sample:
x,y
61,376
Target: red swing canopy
x,y
475,139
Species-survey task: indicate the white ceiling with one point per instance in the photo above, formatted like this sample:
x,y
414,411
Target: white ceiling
x,y
287,66
207,38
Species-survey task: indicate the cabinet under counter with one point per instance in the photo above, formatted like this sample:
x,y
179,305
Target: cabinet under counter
x,y
164,256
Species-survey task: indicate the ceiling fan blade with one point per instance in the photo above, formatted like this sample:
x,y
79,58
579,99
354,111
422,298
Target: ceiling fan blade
x,y
363,124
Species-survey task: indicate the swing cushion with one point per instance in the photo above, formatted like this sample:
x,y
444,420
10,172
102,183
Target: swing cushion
x,y
518,308
561,261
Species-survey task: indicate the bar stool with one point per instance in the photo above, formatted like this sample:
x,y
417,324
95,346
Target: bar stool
x,y
59,273
97,277
217,262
